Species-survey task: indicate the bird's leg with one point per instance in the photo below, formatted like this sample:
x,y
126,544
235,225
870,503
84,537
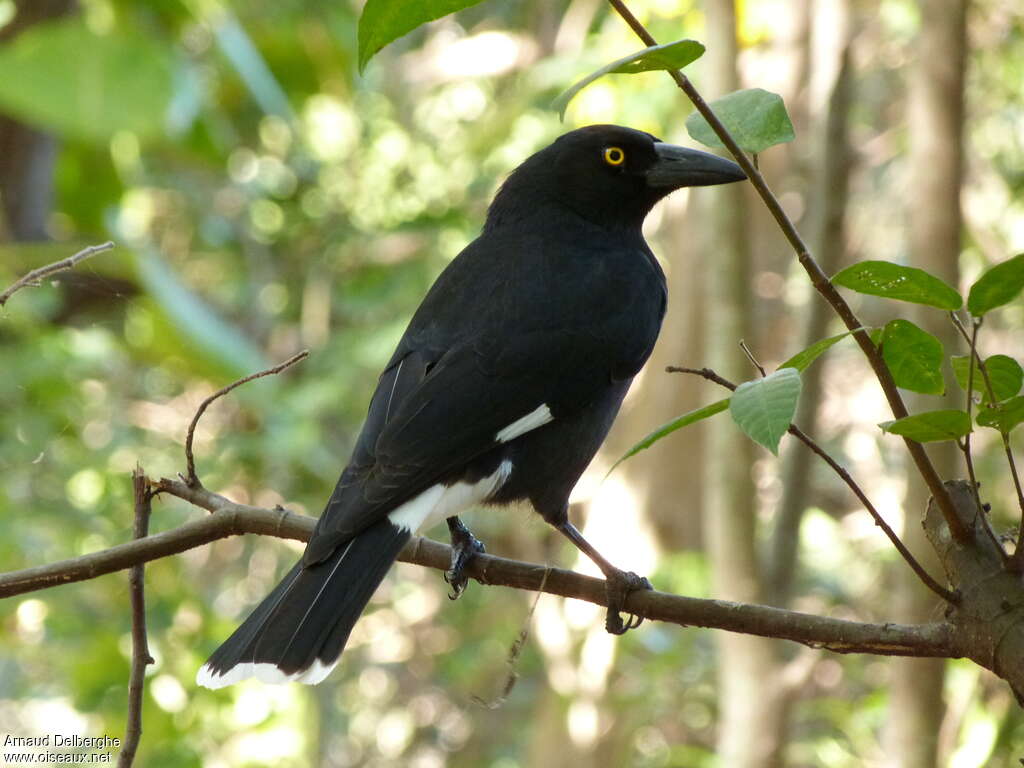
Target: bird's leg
x,y
618,583
465,546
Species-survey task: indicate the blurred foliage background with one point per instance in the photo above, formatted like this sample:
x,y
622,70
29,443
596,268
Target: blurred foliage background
x,y
265,197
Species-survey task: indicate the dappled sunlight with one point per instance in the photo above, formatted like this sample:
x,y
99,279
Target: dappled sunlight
x,y
552,633
168,693
40,715
484,55
265,746
615,523
582,721
31,620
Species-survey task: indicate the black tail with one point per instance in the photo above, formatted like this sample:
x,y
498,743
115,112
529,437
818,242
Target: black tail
x,y
300,629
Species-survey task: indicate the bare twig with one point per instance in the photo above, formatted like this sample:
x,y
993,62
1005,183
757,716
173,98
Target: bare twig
x,y
140,648
33,277
852,484
965,446
922,574
818,279
752,359
514,652
1017,560
230,519
190,477
969,407
705,373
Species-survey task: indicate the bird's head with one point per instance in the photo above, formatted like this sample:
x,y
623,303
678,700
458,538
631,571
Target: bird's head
x,y
607,174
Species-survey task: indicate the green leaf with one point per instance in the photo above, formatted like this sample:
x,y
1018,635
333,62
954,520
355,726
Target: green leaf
x,y
997,286
666,56
914,356
384,21
1004,416
757,119
1004,372
930,426
65,78
802,360
764,408
666,429
894,281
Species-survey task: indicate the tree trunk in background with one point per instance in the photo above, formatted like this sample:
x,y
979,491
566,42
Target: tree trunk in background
x,y
748,734
27,155
935,123
26,179
667,478
829,193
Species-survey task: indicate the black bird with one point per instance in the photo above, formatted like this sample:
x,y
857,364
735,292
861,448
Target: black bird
x,y
502,389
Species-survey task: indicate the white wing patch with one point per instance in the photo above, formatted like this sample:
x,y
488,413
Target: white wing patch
x,y
535,418
441,501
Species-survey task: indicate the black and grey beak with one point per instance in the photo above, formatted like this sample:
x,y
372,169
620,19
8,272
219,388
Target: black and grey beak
x,y
682,167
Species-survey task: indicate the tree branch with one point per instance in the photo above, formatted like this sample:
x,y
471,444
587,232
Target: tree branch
x,y
230,519
140,647
33,277
818,278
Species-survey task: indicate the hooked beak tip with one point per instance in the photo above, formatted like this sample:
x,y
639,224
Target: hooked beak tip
x,y
683,167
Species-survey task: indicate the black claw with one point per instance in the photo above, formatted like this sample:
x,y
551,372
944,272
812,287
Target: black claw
x,y
619,585
465,546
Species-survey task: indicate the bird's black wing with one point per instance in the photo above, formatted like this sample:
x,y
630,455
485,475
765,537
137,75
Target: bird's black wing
x,y
432,417
513,325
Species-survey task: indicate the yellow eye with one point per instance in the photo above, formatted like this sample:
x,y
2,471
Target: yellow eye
x,y
614,156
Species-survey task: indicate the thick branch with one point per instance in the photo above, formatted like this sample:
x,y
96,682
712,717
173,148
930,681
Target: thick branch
x,y
33,277
989,621
818,278
230,519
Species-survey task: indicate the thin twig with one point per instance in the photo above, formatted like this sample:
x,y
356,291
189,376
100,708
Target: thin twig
x,y
969,407
852,484
514,652
1017,560
839,635
1015,563
140,648
965,446
705,373
819,280
752,359
934,586
190,465
33,277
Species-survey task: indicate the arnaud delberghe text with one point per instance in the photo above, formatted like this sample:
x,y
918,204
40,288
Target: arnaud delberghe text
x,y
59,740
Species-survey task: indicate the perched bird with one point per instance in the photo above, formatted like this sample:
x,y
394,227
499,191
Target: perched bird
x,y
502,389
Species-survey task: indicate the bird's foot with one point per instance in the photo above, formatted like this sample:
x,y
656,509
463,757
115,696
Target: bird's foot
x,y
618,585
465,546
